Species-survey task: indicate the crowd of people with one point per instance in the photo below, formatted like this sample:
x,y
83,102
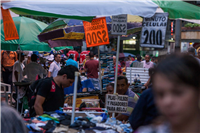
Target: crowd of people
x,y
170,103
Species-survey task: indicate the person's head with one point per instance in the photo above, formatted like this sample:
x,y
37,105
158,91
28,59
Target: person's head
x,y
139,58
110,88
87,57
91,54
129,57
198,53
122,85
33,57
71,56
114,59
191,51
153,59
57,57
147,58
176,85
66,75
22,56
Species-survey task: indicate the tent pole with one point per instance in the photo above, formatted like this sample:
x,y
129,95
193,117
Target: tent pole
x,y
101,89
116,67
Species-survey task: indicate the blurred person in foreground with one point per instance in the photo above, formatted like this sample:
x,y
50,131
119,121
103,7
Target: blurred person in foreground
x,y
176,87
198,53
123,89
11,121
145,110
191,51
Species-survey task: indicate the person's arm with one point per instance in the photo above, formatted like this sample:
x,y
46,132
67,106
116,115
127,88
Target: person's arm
x,y
85,68
50,70
122,117
138,115
147,83
38,105
16,75
16,56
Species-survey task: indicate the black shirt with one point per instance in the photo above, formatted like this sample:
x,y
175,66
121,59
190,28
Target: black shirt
x,y
54,95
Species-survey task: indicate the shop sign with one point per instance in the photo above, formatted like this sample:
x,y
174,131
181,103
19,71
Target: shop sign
x,y
10,30
116,103
119,25
96,32
154,31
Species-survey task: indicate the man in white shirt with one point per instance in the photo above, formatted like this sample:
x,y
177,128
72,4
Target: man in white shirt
x,y
18,69
33,69
55,66
147,63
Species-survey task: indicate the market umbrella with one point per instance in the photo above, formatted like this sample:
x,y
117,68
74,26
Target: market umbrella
x,y
66,29
82,10
27,29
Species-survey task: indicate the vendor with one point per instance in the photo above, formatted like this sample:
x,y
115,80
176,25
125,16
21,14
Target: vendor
x,y
123,89
50,95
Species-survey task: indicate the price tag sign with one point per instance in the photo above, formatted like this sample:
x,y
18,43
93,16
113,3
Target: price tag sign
x,y
96,32
119,25
154,31
116,103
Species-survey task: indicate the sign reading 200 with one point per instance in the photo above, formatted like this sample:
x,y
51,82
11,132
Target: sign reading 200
x,y
153,37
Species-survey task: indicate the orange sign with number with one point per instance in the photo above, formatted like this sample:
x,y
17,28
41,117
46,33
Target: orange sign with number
x,y
96,32
10,31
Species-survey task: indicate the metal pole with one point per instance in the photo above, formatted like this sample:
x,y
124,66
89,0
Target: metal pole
x,y
116,67
100,72
74,97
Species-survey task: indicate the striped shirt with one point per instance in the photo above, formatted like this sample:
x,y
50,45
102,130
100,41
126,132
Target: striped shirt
x,y
132,100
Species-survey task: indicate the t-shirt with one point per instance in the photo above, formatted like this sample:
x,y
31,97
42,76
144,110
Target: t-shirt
x,y
132,100
33,69
54,95
19,69
148,64
92,68
119,69
54,68
71,62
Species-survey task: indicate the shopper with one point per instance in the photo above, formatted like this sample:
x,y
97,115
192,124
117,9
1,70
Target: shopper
x,y
119,66
72,62
191,51
198,53
18,69
92,68
110,88
176,86
55,66
33,69
8,59
87,58
139,59
123,89
50,95
145,110
11,121
147,63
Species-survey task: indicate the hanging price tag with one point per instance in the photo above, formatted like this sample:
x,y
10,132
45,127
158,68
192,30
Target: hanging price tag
x,y
96,32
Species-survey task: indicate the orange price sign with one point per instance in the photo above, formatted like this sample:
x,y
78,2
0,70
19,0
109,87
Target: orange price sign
x,y
10,30
96,32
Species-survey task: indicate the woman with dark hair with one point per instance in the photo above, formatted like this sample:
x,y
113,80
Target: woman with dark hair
x,y
176,87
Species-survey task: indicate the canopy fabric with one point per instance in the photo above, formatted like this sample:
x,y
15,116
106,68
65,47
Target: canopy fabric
x,y
83,10
27,29
179,9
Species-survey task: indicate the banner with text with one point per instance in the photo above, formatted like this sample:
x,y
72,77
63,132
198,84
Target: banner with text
x,y
116,103
154,31
10,30
96,32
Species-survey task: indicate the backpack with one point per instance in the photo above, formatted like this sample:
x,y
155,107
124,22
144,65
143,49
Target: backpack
x,y
32,92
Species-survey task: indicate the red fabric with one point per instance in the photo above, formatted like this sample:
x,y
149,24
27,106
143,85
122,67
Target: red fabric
x,y
53,87
92,68
83,55
73,52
